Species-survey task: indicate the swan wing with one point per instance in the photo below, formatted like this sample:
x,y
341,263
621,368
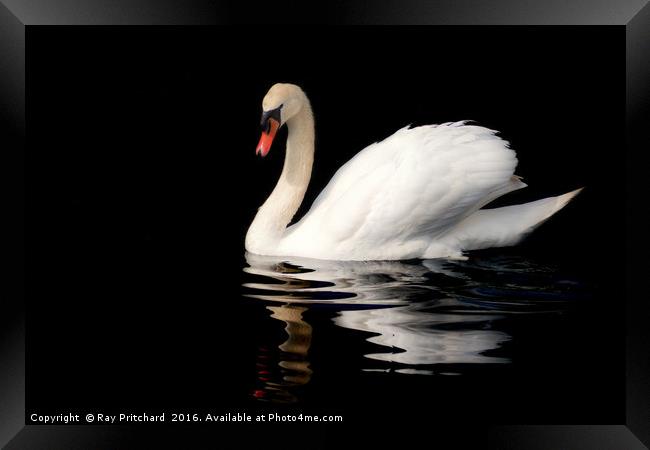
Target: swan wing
x,y
508,225
397,196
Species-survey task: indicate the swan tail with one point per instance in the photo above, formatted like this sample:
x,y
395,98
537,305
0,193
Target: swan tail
x,y
502,227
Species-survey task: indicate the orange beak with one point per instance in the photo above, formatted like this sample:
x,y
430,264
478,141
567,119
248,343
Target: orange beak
x,y
267,138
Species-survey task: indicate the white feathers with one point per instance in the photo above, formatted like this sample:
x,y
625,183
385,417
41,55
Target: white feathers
x,y
505,226
402,197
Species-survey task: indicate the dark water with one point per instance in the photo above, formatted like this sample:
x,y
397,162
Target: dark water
x,y
420,318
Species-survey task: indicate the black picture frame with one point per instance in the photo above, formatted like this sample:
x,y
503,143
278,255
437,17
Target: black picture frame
x,y
16,18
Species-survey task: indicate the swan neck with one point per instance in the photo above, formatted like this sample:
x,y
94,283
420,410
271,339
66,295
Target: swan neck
x,y
276,213
300,151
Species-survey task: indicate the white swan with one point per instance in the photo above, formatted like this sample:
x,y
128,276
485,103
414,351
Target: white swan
x,y
416,194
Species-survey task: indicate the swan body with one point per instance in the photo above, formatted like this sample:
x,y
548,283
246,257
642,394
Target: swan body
x,y
416,194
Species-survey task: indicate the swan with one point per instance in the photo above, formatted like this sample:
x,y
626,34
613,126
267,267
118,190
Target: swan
x,y
416,194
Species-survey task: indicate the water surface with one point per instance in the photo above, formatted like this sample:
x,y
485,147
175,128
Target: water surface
x,y
416,318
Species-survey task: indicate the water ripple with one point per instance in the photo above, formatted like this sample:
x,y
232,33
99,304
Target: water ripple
x,y
415,315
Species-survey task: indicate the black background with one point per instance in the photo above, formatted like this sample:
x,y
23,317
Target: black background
x,y
142,180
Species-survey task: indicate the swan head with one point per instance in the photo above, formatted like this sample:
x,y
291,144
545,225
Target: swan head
x,y
280,104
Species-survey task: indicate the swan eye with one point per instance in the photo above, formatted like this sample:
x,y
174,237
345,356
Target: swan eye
x,y
272,114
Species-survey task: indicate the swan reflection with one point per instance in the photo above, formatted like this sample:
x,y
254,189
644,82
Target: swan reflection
x,y
422,337
292,368
418,317
311,281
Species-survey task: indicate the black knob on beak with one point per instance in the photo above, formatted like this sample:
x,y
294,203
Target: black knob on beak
x,y
272,114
